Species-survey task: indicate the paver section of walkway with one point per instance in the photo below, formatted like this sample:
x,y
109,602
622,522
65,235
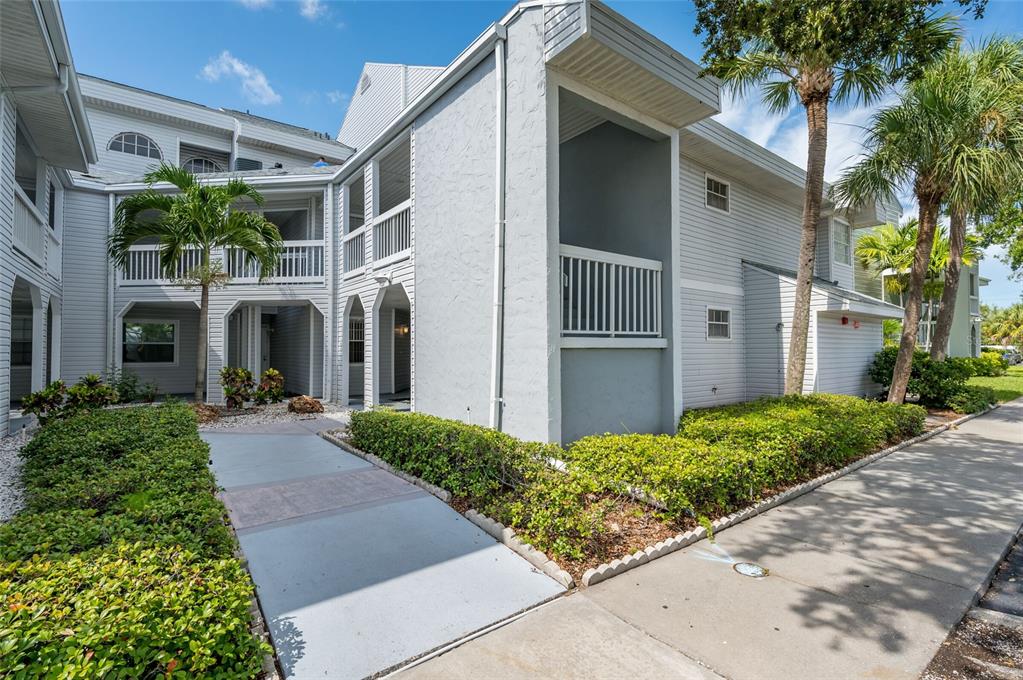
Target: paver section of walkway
x,y
868,574
356,569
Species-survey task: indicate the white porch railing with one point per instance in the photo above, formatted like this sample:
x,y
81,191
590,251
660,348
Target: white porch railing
x,y
392,234
143,266
353,248
607,294
29,236
300,262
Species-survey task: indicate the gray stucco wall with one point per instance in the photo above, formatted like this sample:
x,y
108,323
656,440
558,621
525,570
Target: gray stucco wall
x,y
611,390
454,249
527,331
615,195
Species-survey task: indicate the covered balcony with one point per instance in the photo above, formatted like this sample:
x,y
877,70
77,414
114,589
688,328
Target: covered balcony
x,y
302,259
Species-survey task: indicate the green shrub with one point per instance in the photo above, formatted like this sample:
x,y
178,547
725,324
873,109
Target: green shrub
x,y
126,383
502,476
270,388
127,612
46,403
989,365
724,458
125,545
238,385
972,399
934,382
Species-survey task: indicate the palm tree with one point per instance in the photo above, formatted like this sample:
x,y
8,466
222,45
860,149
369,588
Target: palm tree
x,y
886,252
998,63
1003,326
202,217
816,53
927,141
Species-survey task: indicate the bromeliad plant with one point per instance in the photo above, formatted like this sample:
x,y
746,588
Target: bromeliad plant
x,y
203,217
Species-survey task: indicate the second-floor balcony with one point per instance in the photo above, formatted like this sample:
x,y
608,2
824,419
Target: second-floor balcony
x,y
300,262
391,236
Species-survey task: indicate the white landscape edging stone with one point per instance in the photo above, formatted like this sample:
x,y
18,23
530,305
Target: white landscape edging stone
x,y
618,566
495,529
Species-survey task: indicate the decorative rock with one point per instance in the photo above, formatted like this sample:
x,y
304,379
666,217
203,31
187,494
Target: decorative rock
x,y
305,404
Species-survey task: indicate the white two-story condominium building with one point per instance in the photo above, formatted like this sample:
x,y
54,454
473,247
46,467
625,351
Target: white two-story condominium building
x,y
550,236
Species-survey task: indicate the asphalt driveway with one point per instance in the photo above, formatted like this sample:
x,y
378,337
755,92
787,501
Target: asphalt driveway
x,y
357,570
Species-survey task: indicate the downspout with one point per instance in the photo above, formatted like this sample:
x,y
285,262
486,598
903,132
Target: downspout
x,y
234,143
60,87
497,350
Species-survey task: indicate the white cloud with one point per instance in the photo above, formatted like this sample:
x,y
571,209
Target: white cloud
x,y
255,86
255,4
337,97
312,9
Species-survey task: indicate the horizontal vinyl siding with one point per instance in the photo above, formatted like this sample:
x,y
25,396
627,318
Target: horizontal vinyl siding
x,y
765,351
370,111
83,327
289,348
847,352
713,371
7,273
562,24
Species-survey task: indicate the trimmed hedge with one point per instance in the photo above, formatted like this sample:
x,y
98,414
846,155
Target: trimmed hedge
x,y
121,565
724,458
504,477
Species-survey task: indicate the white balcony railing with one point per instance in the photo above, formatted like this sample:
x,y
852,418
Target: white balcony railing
x,y
609,295
29,226
392,234
300,262
974,305
353,248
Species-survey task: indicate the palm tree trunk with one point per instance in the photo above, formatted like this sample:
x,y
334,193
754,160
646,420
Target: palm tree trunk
x,y
946,313
201,344
914,297
817,129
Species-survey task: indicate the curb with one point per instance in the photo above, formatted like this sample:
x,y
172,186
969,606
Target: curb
x,y
652,552
258,627
498,531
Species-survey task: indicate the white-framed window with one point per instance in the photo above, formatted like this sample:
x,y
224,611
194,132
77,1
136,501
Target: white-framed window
x,y
356,340
149,342
198,165
842,238
135,144
21,340
718,194
719,323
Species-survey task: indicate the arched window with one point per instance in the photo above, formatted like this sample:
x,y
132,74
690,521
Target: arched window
x,y
134,143
198,165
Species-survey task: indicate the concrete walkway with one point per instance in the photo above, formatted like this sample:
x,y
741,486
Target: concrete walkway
x,y
356,569
868,574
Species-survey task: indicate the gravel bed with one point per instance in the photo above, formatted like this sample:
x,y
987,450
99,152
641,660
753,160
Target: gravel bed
x,y
273,413
12,496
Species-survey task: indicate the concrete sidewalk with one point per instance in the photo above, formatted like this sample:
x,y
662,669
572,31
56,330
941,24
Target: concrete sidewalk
x,y
868,574
356,569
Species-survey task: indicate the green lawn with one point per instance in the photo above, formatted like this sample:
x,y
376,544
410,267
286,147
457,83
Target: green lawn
x,y
1006,387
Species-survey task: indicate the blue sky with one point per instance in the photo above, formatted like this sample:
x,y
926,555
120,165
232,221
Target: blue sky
x,y
298,61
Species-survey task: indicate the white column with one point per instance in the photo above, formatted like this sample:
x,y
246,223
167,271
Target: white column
x,y
39,300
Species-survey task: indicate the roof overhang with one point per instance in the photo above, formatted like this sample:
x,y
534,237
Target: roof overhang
x,y
591,43
110,96
829,297
33,53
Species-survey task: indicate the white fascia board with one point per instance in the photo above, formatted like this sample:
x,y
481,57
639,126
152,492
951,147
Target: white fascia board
x,y
272,181
60,51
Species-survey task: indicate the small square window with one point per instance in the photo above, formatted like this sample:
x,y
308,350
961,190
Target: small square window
x,y
717,194
719,324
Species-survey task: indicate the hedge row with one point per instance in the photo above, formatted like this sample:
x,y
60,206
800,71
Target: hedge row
x,y
721,460
121,565
942,384
504,477
724,458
